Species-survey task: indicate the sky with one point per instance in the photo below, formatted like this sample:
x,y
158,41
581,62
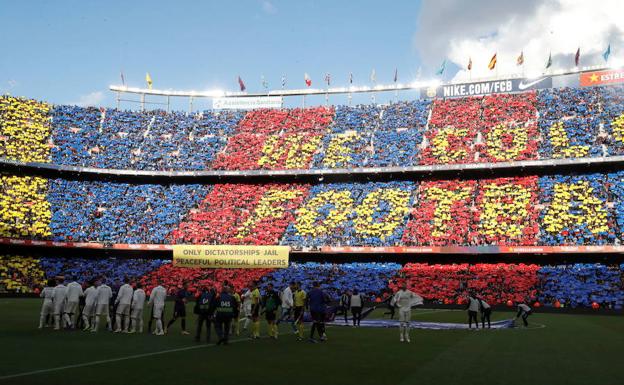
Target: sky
x,y
70,51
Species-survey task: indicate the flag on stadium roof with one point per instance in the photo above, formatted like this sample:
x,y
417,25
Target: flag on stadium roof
x,y
327,79
607,53
350,77
520,59
396,75
492,63
241,84
265,83
307,79
469,64
123,79
442,68
148,80
373,76
577,57
283,81
549,62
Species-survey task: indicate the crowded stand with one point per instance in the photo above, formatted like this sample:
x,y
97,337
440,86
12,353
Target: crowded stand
x,y
110,212
111,271
582,285
369,279
613,117
453,128
509,128
275,139
351,214
24,208
544,124
576,210
241,214
19,274
449,284
152,140
570,120
24,129
173,278
574,285
552,210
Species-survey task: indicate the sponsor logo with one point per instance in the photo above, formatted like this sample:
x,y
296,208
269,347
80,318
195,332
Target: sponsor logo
x,y
524,86
596,78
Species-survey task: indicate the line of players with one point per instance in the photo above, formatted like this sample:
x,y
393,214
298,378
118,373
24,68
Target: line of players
x,y
62,303
223,309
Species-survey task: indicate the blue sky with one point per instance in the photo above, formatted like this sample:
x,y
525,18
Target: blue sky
x,y
70,51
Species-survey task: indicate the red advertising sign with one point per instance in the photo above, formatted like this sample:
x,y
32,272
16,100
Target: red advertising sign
x,y
596,78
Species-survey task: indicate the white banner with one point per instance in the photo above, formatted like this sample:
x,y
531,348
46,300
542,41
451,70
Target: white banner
x,y
248,103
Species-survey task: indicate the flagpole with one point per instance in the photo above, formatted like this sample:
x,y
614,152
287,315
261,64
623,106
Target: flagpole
x,y
396,92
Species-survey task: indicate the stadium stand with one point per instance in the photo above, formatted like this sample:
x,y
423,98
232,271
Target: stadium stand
x,y
528,210
495,283
580,285
370,279
110,270
570,120
575,285
173,278
584,209
152,140
20,274
545,124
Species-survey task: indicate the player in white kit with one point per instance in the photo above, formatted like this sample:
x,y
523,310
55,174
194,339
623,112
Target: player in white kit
x,y
104,295
59,294
157,300
247,308
47,308
404,299
136,309
72,297
123,301
90,303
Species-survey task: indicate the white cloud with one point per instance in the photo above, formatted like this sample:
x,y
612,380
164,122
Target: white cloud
x,y
268,7
457,30
8,86
92,99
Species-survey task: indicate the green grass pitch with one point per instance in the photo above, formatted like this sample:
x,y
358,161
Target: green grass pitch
x,y
557,349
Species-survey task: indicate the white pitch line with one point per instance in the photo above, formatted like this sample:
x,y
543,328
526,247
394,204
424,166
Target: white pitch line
x,y
431,312
100,362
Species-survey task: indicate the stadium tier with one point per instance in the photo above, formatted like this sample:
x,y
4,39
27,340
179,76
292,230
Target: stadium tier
x,y
545,124
553,210
577,285
578,209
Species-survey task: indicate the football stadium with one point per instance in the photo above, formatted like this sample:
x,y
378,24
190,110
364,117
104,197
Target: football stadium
x,y
450,216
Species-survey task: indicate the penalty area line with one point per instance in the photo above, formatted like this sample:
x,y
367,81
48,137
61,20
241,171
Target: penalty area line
x,y
111,360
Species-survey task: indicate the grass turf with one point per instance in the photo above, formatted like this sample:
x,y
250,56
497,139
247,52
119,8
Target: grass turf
x,y
569,349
